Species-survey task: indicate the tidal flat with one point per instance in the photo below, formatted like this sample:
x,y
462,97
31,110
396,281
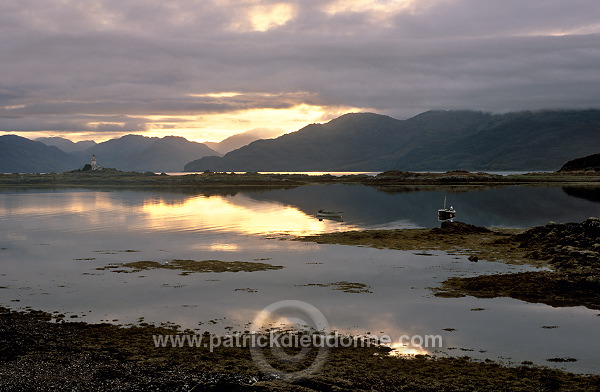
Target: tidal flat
x,y
41,349
570,251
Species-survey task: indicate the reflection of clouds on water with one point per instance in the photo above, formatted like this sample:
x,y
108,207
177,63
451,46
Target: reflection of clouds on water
x,y
101,211
249,226
238,214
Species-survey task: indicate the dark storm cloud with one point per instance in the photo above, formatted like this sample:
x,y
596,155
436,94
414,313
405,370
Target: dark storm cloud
x,y
69,65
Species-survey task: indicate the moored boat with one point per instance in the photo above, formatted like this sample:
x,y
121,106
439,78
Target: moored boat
x,y
329,214
445,214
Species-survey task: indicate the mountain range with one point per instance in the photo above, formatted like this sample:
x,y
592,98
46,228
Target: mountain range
x,y
434,140
127,153
141,153
241,139
430,141
65,144
21,155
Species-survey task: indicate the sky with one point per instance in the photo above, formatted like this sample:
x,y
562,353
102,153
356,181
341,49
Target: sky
x,y
208,69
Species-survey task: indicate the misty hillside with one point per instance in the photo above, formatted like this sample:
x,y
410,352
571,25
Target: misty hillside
x,y
65,144
21,155
141,153
434,140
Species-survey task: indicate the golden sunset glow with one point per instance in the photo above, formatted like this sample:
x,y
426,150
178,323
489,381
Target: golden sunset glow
x,y
379,11
266,17
239,214
217,95
260,17
218,126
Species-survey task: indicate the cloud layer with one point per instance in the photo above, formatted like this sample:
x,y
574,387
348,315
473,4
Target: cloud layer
x,y
108,66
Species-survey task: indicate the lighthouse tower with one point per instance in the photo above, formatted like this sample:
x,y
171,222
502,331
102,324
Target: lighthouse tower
x,y
95,165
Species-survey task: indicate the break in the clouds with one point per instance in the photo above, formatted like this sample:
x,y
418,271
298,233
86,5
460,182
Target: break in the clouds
x,y
207,69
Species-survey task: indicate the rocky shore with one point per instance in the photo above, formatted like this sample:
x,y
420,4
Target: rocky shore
x,y
38,352
571,250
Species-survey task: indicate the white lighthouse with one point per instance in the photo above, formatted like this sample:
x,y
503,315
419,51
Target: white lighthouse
x,y
95,165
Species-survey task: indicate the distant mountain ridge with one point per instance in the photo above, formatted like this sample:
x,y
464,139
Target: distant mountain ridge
x,y
21,155
65,144
127,153
434,140
430,141
241,139
141,153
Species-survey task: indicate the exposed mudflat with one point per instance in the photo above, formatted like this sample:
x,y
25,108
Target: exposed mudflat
x,y
453,237
189,266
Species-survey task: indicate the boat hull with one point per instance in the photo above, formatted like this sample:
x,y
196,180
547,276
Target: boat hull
x,y
329,214
446,214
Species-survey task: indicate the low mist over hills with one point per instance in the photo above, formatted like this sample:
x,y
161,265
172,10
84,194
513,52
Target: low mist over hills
x,y
434,140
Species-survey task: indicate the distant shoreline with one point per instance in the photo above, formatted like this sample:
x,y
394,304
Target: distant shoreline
x,y
393,178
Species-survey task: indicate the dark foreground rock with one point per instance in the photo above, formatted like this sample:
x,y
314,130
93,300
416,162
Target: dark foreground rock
x,y
38,354
448,227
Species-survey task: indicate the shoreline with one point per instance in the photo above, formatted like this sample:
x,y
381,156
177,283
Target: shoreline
x,y
386,180
38,352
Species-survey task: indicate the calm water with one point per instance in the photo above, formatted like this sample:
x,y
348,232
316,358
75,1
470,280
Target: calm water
x,y
53,241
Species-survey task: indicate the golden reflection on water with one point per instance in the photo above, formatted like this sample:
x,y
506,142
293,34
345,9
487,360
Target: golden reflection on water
x,y
402,349
238,214
45,204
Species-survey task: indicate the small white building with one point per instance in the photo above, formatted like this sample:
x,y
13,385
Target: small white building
x,y
95,165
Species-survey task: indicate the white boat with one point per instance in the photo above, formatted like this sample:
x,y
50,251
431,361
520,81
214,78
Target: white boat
x,y
445,214
329,214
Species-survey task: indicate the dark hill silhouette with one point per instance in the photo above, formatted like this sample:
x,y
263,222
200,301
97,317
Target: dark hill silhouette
x,y
21,155
345,143
434,140
590,162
